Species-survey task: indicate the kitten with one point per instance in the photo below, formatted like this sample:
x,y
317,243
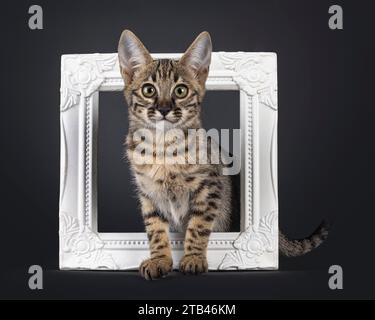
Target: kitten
x,y
191,198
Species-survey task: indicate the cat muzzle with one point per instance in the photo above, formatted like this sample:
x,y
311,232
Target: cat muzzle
x,y
164,110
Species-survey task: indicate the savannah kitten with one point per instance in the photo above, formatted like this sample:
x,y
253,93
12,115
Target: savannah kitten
x,y
191,198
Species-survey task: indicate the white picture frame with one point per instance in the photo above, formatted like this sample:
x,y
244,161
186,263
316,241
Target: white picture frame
x,y
83,76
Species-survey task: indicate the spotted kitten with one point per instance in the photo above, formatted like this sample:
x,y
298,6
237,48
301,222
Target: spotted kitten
x,y
191,198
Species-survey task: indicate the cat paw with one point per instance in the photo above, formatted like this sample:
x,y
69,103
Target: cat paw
x,y
193,264
155,268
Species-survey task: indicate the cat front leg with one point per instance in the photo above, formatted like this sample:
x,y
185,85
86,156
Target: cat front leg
x,y
203,212
157,228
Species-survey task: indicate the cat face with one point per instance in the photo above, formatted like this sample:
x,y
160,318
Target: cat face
x,y
165,92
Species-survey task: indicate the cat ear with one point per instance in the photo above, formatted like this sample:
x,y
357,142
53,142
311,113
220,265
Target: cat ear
x,y
132,55
198,56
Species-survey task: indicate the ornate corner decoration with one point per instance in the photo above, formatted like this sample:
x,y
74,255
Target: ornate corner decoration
x,y
252,244
82,75
83,246
254,74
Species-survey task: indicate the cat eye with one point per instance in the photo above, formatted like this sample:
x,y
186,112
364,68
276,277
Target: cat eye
x,y
148,90
181,91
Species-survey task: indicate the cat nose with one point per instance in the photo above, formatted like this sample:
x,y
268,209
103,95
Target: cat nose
x,y
164,110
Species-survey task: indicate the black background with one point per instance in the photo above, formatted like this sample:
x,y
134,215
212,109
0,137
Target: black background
x,y
326,120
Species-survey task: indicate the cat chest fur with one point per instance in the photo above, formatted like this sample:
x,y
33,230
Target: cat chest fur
x,y
166,187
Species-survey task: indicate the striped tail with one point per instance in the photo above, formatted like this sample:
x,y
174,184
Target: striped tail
x,y
295,248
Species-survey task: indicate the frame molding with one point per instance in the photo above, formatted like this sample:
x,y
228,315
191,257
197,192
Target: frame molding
x,y
83,76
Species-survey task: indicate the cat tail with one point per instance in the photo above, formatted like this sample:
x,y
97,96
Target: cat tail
x,y
296,248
